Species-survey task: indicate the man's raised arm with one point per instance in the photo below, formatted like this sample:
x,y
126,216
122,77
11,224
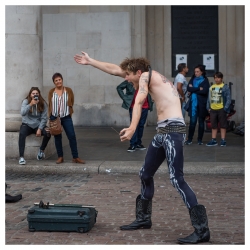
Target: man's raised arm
x,y
109,68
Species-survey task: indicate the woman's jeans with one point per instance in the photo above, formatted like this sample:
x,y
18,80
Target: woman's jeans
x,y
25,131
192,125
68,127
136,138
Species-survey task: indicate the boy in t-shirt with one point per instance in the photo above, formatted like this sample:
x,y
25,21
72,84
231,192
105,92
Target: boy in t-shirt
x,y
218,105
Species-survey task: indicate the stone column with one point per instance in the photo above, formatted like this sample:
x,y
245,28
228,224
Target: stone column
x,y
23,50
138,31
231,53
159,44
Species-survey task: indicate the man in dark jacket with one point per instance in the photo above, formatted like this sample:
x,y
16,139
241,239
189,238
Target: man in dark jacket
x,y
128,102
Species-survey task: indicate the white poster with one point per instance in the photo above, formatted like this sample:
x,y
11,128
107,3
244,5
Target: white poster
x,y
208,60
180,59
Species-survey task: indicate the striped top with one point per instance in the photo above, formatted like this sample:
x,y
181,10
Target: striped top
x,y
59,104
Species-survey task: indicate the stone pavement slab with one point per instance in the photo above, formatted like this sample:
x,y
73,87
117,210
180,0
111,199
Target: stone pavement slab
x,y
103,152
114,195
49,166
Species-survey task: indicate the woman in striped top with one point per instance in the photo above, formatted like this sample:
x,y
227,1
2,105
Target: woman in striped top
x,y
61,101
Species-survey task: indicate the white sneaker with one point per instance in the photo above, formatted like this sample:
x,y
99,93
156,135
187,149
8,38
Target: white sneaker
x,y
22,161
40,155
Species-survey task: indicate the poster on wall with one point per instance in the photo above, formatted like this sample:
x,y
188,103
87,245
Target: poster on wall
x,y
180,58
208,60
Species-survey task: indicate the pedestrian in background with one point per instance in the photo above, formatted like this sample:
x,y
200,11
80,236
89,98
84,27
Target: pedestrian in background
x,y
180,82
34,119
61,101
218,105
198,86
128,103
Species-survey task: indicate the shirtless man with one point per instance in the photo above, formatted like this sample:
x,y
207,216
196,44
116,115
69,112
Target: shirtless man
x,y
166,144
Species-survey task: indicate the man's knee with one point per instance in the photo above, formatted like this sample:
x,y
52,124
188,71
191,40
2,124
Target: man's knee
x,y
145,177
177,182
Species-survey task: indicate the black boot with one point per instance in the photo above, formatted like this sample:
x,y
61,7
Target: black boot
x,y
143,215
9,198
199,221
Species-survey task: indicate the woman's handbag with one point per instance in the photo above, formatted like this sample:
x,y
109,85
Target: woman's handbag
x,y
55,126
186,107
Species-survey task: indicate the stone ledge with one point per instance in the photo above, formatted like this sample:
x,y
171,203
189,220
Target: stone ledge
x,y
12,122
32,146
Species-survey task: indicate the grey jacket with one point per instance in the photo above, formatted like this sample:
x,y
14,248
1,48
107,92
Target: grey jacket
x,y
34,119
226,95
129,95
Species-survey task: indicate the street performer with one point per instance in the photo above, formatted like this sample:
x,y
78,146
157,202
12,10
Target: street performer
x,y
166,144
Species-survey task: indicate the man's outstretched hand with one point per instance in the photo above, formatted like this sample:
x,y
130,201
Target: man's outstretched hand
x,y
82,59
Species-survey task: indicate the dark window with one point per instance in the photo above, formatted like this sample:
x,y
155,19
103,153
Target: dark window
x,y
194,33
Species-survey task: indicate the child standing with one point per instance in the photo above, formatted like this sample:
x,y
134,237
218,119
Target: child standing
x,y
218,105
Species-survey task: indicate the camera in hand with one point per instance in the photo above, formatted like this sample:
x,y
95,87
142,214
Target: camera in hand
x,y
36,97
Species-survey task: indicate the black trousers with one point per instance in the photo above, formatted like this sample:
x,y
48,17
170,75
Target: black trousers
x,y
25,131
170,147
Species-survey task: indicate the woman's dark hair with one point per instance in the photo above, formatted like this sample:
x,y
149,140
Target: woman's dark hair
x,y
218,74
202,69
56,75
40,105
181,66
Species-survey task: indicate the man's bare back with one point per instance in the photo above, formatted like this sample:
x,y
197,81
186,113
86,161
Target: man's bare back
x,y
165,96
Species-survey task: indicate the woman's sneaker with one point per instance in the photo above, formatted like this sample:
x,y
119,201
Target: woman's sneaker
x,y
223,143
22,161
188,142
200,142
212,143
40,155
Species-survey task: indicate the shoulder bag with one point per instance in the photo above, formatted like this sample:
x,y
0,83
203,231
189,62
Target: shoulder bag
x,y
55,125
187,105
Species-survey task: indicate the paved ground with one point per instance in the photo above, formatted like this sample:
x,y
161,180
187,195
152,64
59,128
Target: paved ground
x,y
114,197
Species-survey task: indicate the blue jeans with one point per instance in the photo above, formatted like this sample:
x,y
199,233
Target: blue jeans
x,y
192,125
68,127
136,138
183,110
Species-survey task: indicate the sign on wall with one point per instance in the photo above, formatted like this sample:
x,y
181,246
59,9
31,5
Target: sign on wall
x,y
195,35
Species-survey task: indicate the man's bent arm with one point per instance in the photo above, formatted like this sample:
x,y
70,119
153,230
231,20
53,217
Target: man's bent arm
x,y
180,90
139,100
106,67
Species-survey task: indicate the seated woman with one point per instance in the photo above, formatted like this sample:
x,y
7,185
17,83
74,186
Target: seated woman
x,y
34,119
61,101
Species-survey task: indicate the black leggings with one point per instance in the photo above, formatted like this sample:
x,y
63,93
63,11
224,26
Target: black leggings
x,y
166,146
25,131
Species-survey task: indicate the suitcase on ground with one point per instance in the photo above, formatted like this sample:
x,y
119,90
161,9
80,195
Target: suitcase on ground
x,y
61,217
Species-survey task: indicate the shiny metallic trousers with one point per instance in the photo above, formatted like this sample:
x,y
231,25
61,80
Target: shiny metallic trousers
x,y
170,147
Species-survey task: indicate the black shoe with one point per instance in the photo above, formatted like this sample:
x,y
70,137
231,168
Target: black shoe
x,y
199,221
131,149
10,199
140,147
143,215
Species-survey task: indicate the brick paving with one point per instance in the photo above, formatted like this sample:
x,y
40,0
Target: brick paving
x,y
114,197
